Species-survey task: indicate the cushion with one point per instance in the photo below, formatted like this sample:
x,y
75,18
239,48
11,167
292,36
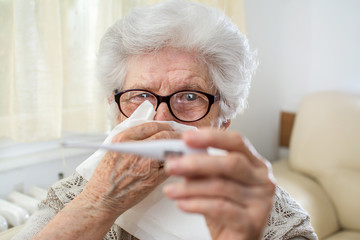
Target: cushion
x,y
325,145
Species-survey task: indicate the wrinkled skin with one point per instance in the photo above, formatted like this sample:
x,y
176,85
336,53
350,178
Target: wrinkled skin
x,y
122,180
234,192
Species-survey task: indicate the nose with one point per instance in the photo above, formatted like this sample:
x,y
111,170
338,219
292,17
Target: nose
x,y
163,113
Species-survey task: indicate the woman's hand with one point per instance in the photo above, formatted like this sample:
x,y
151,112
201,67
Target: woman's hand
x,y
234,192
118,183
122,180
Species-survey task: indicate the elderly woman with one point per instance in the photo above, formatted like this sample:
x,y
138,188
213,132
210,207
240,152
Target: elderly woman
x,y
194,66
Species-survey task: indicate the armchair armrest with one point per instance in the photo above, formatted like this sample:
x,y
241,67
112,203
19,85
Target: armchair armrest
x,y
8,234
310,196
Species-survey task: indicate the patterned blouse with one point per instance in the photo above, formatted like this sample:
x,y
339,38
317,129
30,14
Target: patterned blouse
x,y
287,219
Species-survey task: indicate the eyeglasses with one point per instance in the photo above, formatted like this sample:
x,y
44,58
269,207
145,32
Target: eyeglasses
x,y
185,105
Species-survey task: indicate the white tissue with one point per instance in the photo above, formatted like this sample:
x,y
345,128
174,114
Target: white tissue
x,y
155,217
144,113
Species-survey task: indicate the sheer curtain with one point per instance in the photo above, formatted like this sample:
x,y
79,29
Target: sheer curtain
x,y
47,64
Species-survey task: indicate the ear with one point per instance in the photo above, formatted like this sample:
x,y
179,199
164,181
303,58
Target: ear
x,y
225,124
110,98
113,112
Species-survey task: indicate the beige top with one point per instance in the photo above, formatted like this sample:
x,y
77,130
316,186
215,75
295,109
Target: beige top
x,y
287,219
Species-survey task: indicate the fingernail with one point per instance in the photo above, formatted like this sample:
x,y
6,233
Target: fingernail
x,y
189,135
182,204
171,164
169,190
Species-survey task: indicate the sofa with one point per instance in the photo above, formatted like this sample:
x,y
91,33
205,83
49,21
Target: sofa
x,y
322,171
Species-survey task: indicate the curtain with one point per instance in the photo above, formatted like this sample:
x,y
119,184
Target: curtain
x,y
47,64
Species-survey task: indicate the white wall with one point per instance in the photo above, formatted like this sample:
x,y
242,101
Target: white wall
x,y
303,46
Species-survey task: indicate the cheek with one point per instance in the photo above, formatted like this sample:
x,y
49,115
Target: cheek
x,y
120,118
208,121
211,118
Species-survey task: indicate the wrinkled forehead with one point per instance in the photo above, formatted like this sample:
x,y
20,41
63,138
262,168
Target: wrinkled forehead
x,y
167,69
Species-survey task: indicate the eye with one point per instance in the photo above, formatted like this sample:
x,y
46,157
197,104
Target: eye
x,y
139,97
144,95
190,96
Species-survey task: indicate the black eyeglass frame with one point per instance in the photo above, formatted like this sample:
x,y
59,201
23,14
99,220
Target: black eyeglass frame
x,y
166,99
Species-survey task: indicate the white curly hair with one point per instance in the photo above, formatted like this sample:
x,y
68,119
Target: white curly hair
x,y
188,26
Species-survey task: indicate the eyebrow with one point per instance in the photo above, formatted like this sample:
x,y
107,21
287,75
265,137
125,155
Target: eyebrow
x,y
190,86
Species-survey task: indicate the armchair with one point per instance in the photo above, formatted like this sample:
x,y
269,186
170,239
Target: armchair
x,y
322,171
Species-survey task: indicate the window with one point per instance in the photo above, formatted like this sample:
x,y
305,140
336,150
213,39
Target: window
x,y
48,83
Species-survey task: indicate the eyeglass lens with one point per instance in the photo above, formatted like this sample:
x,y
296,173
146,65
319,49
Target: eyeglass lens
x,y
185,105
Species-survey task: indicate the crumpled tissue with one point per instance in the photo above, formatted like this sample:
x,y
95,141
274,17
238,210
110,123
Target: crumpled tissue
x,y
156,217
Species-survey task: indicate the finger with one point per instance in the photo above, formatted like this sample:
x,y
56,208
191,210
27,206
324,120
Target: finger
x,y
234,166
136,166
226,140
130,169
165,134
141,132
213,187
225,212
